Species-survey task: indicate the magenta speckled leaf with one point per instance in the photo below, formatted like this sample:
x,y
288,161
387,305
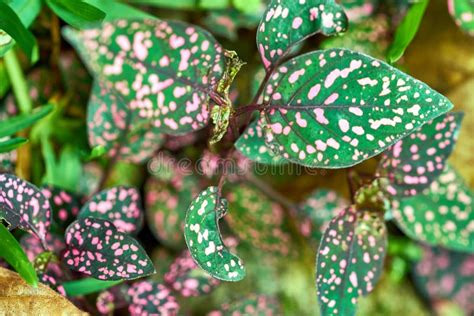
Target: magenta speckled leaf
x,y
64,205
166,205
317,211
442,215
185,277
350,260
166,70
112,299
24,206
336,108
151,298
120,205
443,274
114,124
286,23
418,159
95,247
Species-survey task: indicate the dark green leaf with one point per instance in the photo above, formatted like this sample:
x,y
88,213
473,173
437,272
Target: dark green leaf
x,y
23,205
96,248
407,30
17,123
11,24
204,240
442,215
118,10
10,144
336,108
350,260
87,286
11,251
76,13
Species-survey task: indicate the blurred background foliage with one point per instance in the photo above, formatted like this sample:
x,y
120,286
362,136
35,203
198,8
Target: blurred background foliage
x,y
58,153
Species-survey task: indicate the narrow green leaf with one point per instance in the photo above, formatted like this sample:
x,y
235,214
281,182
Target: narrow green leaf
x,y
10,144
76,13
12,25
87,286
118,10
27,11
17,123
171,4
407,30
11,251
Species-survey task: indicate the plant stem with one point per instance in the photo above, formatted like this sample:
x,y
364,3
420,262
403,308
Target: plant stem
x,y
18,81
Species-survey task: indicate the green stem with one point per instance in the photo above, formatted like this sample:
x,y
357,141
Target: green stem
x,y
18,82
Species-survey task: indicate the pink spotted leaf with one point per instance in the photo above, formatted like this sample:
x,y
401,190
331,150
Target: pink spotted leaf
x,y
350,260
444,274
151,298
167,71
113,124
120,205
96,248
23,205
442,215
418,159
64,205
336,108
286,23
187,278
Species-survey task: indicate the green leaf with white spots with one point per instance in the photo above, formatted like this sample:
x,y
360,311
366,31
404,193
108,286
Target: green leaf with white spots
x,y
336,108
417,160
442,215
116,126
286,23
350,260
166,71
252,145
462,12
316,212
258,220
204,239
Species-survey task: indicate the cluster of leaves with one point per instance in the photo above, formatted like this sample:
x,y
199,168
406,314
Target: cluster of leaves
x,y
160,84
